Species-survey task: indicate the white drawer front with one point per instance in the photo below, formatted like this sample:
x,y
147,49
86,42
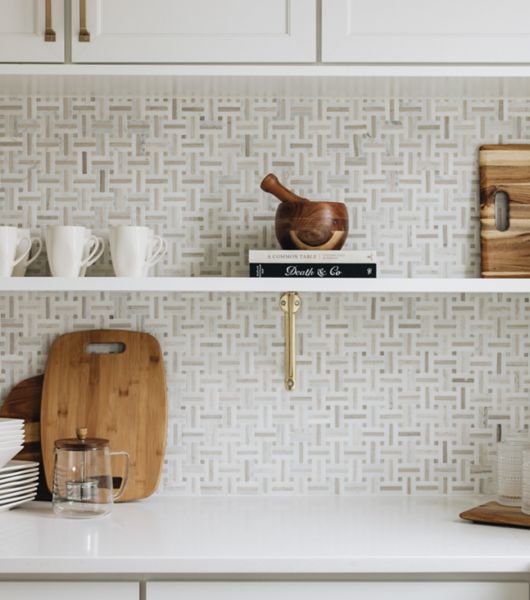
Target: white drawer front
x,y
337,591
61,590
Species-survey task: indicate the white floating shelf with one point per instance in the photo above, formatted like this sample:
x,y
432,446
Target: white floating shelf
x,y
247,284
325,80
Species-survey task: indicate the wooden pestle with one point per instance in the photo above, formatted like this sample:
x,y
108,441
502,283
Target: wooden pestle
x,y
271,185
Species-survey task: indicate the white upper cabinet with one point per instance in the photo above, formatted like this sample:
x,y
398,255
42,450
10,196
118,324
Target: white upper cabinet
x,y
181,31
31,31
420,31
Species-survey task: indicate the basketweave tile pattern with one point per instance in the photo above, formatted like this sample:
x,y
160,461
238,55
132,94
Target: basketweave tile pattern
x,y
395,394
190,168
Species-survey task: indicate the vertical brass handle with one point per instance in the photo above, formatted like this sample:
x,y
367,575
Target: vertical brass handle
x,y
49,33
290,303
84,34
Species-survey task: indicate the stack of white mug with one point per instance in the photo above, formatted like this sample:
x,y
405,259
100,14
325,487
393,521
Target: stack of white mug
x,y
71,249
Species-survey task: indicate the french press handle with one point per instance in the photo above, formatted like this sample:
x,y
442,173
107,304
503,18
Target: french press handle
x,y
125,477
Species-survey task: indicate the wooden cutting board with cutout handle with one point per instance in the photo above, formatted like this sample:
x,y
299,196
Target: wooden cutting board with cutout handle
x,y
113,383
505,210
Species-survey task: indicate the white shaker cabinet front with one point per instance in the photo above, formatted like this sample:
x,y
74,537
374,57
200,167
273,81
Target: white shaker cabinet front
x,y
60,590
31,31
337,591
422,31
188,31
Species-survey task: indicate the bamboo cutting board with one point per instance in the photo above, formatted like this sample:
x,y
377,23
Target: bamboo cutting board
x,y
505,210
113,383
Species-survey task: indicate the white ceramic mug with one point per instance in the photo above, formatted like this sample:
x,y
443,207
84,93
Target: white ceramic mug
x,y
88,247
71,249
8,250
134,250
28,254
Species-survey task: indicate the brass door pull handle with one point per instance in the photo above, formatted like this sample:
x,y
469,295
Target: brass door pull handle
x,y
49,33
290,303
84,34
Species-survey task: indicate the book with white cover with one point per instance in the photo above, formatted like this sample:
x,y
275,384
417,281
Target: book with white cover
x,y
312,256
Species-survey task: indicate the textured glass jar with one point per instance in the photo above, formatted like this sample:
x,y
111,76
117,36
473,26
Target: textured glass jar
x,y
525,506
510,469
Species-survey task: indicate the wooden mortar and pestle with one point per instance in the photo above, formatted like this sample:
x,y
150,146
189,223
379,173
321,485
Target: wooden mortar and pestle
x,y
303,224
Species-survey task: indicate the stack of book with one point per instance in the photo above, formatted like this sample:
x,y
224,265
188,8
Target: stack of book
x,y
309,263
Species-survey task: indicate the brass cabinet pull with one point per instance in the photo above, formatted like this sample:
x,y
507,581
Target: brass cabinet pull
x,y
84,34
49,33
290,303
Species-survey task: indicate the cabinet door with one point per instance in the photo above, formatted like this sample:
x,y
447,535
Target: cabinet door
x,y
23,26
337,591
181,31
418,31
47,590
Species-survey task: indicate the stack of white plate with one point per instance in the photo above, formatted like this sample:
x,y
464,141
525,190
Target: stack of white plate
x,y
11,439
19,480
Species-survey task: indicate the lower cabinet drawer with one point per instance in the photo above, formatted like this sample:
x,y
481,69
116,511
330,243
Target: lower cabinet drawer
x,y
62,590
337,591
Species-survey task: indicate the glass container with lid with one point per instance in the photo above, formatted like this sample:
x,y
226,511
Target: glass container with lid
x,y
82,481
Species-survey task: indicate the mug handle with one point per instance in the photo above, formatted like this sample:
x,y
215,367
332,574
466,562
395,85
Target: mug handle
x,y
125,477
38,241
23,255
97,247
158,249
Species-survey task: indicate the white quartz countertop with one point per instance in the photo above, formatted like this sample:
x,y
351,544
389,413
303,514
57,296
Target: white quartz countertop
x,y
325,535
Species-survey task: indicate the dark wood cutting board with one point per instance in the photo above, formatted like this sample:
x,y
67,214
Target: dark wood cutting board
x,y
113,383
505,183
493,513
23,402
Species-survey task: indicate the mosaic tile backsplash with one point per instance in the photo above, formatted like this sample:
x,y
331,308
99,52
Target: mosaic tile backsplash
x,y
395,394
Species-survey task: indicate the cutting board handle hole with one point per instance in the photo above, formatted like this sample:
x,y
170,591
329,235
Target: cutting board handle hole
x,y
502,211
108,348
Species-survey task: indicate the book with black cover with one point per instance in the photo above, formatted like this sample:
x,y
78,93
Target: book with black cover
x,y
318,270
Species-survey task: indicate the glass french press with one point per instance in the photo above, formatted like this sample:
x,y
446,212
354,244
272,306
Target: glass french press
x,y
82,482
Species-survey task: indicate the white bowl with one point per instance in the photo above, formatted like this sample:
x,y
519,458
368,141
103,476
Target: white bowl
x,y
20,491
6,454
8,485
13,444
14,437
10,420
11,441
19,466
14,476
18,501
27,496
8,432
6,423
11,432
